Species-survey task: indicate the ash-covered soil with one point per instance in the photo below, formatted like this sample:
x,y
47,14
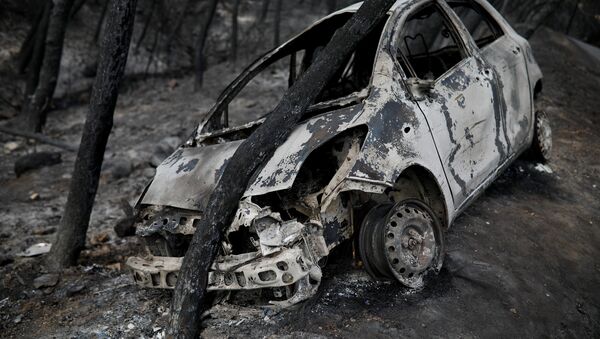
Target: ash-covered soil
x,y
522,261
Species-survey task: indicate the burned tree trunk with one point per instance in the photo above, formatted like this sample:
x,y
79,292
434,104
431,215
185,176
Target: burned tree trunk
x,y
277,23
84,183
264,10
190,292
35,108
146,24
27,48
100,23
33,61
234,30
199,57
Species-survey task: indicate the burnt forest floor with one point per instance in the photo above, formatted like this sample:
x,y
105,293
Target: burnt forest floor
x,y
522,261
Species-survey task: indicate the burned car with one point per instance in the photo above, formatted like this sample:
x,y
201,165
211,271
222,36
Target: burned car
x,y
426,113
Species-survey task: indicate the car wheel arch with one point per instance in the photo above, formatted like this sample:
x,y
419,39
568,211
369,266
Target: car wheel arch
x,y
418,182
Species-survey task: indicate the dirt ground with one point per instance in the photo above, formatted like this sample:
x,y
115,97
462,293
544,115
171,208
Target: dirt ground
x,y
522,261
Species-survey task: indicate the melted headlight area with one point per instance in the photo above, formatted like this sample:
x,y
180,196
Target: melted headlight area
x,y
260,250
276,241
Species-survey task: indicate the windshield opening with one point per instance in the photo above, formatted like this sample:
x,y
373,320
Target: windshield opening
x,y
258,90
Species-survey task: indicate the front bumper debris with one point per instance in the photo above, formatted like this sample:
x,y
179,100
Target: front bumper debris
x,y
285,255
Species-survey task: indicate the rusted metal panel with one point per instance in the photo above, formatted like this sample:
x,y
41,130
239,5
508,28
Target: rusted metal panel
x,y
187,177
462,130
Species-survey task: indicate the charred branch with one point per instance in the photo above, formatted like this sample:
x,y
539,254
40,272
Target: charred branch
x,y
190,293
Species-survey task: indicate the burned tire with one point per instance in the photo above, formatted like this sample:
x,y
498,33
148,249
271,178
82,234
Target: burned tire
x,y
402,241
541,146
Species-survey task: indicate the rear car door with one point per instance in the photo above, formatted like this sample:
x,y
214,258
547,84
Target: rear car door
x,y
459,102
504,55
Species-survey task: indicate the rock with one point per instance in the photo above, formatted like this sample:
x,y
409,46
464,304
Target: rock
x,y
120,167
43,230
18,319
11,146
100,238
46,280
34,196
124,227
73,289
5,260
37,249
35,161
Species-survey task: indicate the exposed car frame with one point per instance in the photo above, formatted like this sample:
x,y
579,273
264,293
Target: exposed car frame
x,y
394,162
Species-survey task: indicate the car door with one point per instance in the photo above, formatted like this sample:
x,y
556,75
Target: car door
x,y
504,55
458,100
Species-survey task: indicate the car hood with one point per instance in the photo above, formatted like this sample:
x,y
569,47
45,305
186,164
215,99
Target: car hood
x,y
188,176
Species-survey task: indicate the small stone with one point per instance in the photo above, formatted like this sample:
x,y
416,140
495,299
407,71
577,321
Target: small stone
x,y
18,319
34,196
513,310
34,161
5,260
11,146
46,280
74,289
43,230
130,326
102,238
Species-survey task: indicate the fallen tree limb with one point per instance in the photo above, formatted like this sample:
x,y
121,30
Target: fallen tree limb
x,y
39,137
190,293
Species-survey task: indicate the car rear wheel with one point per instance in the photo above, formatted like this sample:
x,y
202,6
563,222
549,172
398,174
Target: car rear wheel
x,y
401,241
541,147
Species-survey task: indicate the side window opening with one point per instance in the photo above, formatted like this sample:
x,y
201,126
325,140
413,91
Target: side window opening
x,y
482,27
428,46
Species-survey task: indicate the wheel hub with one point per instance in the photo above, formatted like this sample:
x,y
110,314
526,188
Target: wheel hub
x,y
401,242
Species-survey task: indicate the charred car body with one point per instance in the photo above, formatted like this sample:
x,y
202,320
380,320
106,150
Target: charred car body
x,y
426,113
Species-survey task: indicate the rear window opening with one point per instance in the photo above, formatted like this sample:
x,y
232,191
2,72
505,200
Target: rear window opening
x,y
258,90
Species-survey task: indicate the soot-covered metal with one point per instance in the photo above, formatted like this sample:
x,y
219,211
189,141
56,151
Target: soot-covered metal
x,y
395,147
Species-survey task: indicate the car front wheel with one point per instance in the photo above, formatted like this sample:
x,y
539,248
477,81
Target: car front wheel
x,y
401,241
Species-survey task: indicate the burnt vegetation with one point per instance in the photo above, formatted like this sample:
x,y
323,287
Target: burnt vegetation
x,y
63,55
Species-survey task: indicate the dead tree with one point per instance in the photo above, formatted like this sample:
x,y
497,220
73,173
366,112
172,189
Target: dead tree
x,y
234,30
277,23
100,23
84,183
190,292
264,10
40,22
32,52
34,109
199,57
146,24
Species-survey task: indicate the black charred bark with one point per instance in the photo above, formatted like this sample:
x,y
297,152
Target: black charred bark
x,y
32,60
199,57
34,109
234,30
264,10
100,23
70,238
277,23
190,292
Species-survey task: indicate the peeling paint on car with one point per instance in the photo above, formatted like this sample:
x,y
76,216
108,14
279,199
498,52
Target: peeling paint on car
x,y
441,141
